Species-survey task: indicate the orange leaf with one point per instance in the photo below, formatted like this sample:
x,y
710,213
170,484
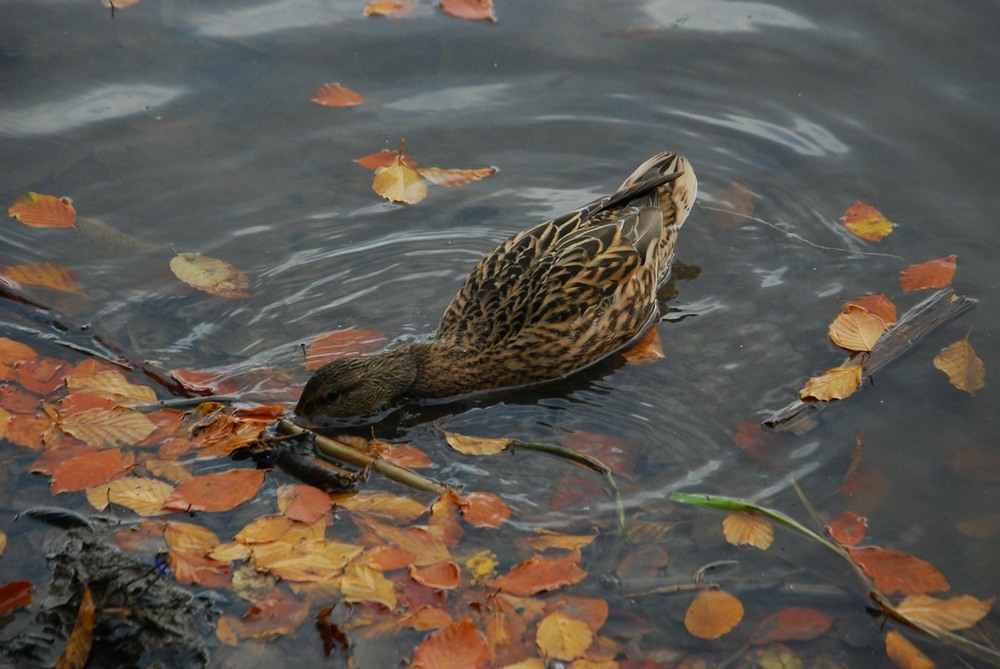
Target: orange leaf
x,y
43,275
335,95
189,538
904,654
405,455
856,330
477,445
43,375
386,558
712,614
303,503
956,613
894,572
747,529
484,509
15,595
847,529
13,352
562,637
867,222
444,518
570,542
211,275
426,547
474,10
200,570
395,8
338,343
590,610
383,505
385,158
77,649
85,471
539,573
458,646
44,211
216,492
834,384
440,576
264,530
647,349
931,274
215,383
110,383
276,614
964,368
310,560
106,428
877,305
454,177
796,623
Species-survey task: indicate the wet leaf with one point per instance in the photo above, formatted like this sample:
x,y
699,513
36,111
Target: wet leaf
x,y
204,381
957,613
145,496
647,349
88,470
440,576
876,305
484,509
834,384
211,275
3,541
894,572
454,177
42,375
311,560
867,222
200,570
264,529
546,540
444,521
364,584
983,527
406,455
216,492
477,445
747,529
304,503
847,529
276,614
458,646
473,10
106,428
647,561
539,573
394,8
712,614
15,595
335,95
383,505
189,538
109,383
385,158
44,211
795,623
592,611
77,650
562,637
964,368
13,352
931,274
482,566
42,275
338,343
904,654
425,546
856,330
399,183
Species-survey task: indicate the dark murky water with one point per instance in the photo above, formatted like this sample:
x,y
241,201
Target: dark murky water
x,y
189,126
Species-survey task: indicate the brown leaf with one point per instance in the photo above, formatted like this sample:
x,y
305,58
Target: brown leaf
x,y
216,492
458,646
931,274
15,595
894,572
474,10
44,211
539,573
454,177
88,470
835,384
847,529
43,275
957,613
561,637
877,305
77,650
747,529
338,343
856,330
211,275
964,368
904,654
712,614
335,95
867,222
42,375
477,445
795,623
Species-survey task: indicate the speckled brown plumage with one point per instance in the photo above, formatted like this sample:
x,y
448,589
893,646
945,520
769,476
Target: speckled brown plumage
x,y
548,301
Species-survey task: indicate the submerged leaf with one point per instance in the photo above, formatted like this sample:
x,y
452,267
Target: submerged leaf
x,y
904,654
539,573
458,646
964,368
561,637
847,529
796,623
894,572
338,343
747,529
211,275
42,275
77,650
712,614
957,613
44,211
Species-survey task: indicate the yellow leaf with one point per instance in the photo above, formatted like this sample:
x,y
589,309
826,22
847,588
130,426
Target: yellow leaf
x,y
190,538
454,177
44,275
44,211
964,368
482,566
111,384
835,384
383,505
77,648
956,613
562,637
211,275
107,428
867,222
904,654
399,183
747,529
145,496
856,330
310,560
713,613
364,584
477,445
264,529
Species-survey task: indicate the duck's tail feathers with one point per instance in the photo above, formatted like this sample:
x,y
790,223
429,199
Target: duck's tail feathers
x,y
676,196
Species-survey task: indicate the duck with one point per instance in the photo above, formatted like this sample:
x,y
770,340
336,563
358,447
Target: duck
x,y
549,301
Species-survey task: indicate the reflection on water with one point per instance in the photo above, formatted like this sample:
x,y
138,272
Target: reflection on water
x,y
717,16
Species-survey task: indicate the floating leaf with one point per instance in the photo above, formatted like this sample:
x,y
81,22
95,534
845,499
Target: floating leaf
x,y
957,613
539,573
458,646
311,560
964,368
856,330
847,529
3,541
795,623
931,274
712,614
440,576
42,375
335,95
109,383
867,222
43,275
145,496
894,572
399,183
835,384
484,509
211,275
546,540
106,428
264,529
88,470
44,211
454,177
216,492
425,546
200,570
477,445
747,529
473,10
364,584
904,654
304,503
15,595
647,349
189,538
276,614
77,649
338,343
562,637
877,305
385,158
395,8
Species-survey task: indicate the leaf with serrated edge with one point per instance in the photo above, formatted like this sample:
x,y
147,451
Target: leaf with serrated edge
x,y
964,368
745,529
106,428
956,613
834,384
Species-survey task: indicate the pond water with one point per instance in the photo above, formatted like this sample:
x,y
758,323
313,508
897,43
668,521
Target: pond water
x,y
190,126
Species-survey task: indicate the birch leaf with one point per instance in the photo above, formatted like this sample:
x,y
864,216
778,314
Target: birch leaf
x,y
964,368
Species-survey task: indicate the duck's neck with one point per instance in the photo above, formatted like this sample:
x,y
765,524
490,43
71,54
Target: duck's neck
x,y
442,370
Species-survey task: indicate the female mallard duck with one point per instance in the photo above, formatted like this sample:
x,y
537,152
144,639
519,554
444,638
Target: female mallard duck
x,y
548,301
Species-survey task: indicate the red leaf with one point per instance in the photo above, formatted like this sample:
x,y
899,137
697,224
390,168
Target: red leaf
x,y
86,471
337,344
15,595
216,492
847,528
877,305
385,158
895,572
931,274
796,623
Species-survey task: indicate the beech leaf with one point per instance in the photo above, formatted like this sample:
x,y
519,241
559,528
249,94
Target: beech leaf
x,y
44,211
211,275
561,637
106,428
834,384
904,654
539,573
144,496
712,614
795,623
444,575
964,368
42,275
477,445
856,330
867,222
216,492
847,529
747,529
88,470
361,583
894,572
335,95
931,274
956,613
458,646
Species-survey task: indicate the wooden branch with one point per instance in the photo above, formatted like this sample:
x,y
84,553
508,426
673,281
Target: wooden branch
x,y
345,453
941,307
